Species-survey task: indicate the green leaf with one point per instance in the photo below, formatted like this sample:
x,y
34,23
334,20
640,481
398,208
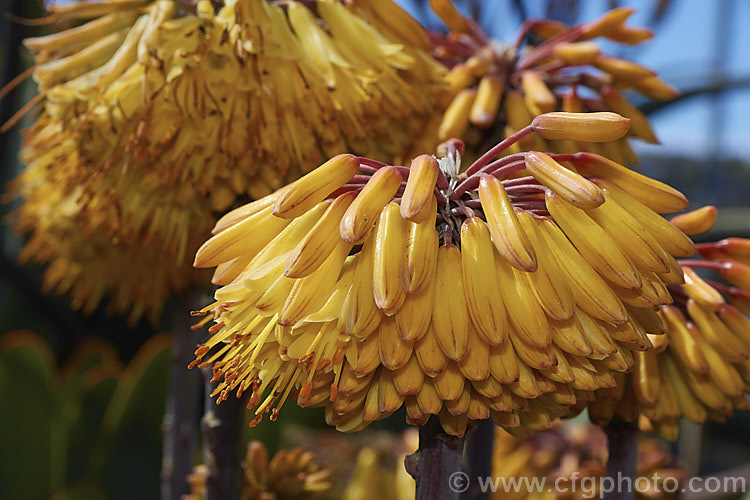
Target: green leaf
x,y
90,382
128,458
27,417
81,491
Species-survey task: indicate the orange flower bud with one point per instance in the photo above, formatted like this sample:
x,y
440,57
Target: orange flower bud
x,y
697,221
458,78
737,274
736,248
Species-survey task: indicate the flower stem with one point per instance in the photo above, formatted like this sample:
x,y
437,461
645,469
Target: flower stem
x,y
497,149
222,443
479,444
435,463
622,438
702,264
181,417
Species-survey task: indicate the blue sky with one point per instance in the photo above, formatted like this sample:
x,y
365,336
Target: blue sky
x,y
683,53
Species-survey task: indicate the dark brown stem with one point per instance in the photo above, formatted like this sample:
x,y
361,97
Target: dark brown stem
x,y
436,465
479,444
222,444
180,420
622,438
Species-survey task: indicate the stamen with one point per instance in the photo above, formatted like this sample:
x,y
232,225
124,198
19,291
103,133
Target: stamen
x,y
289,386
450,165
258,342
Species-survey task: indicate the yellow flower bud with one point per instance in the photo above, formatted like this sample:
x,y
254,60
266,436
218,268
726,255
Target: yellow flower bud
x,y
656,88
609,23
577,53
588,127
485,107
449,15
539,98
456,117
620,68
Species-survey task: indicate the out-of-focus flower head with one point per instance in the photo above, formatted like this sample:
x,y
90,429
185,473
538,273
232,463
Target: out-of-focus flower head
x,y
496,89
375,476
158,114
243,99
366,465
700,368
82,256
288,475
573,457
511,289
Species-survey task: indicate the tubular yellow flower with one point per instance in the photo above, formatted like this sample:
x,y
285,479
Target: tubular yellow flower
x,y
499,304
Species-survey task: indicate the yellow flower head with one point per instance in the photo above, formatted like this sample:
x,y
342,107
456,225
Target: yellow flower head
x,y
508,290
495,88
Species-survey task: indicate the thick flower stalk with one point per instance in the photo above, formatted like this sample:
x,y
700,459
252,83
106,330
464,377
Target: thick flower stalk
x,y
498,88
288,475
575,456
700,368
510,290
156,115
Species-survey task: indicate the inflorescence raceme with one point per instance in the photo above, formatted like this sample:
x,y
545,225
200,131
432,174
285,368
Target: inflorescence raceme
x,y
497,88
511,290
